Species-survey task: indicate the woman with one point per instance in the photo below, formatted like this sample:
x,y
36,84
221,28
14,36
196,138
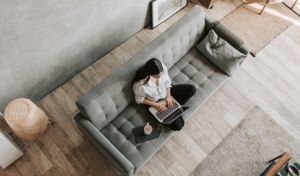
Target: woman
x,y
153,83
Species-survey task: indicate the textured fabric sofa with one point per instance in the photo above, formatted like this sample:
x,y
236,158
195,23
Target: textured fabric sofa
x,y
108,112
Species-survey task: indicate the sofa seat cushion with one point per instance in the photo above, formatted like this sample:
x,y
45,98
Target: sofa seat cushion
x,y
119,133
197,70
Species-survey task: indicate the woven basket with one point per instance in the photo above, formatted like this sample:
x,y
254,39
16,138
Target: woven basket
x,y
27,121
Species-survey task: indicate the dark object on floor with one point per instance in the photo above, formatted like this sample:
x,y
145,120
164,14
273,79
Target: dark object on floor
x,y
283,159
140,135
208,3
252,54
268,168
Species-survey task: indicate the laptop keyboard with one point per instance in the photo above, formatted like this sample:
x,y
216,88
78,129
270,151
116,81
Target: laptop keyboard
x,y
167,112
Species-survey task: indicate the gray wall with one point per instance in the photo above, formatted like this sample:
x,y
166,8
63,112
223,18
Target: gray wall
x,y
45,43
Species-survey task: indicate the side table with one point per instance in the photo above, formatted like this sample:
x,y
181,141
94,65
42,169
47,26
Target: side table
x,y
208,3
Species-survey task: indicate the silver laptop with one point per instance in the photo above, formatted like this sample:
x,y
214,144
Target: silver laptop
x,y
169,115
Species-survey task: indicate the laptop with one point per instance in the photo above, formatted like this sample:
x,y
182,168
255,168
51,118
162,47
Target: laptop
x,y
169,115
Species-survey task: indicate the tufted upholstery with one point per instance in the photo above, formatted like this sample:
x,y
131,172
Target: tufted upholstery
x,y
116,89
108,112
193,69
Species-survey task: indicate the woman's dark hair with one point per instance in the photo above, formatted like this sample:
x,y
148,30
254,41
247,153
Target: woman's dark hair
x,y
152,67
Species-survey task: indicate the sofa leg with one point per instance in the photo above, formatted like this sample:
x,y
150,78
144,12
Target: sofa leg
x,y
253,55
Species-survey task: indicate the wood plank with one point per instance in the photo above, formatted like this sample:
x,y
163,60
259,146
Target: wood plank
x,y
178,169
260,65
101,68
217,106
54,111
152,32
293,106
72,90
269,56
293,33
60,162
190,146
89,170
25,166
95,159
228,5
295,59
263,80
292,46
72,120
207,128
63,100
230,120
144,37
111,62
285,86
119,55
155,165
162,27
269,98
69,150
144,171
281,43
235,95
35,154
12,170
231,105
128,49
181,154
284,123
214,120
165,156
192,130
91,76
256,100
82,83
243,88
52,172
136,43
205,144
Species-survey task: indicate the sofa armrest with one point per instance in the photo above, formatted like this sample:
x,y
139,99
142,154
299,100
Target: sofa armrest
x,y
208,21
245,49
103,145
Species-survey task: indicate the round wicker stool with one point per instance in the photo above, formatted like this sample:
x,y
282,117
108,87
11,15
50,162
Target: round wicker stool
x,y
26,120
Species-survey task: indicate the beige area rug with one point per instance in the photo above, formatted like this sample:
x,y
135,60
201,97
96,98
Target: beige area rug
x,y
259,30
245,150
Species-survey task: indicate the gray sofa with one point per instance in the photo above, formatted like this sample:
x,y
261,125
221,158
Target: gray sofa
x,y
108,112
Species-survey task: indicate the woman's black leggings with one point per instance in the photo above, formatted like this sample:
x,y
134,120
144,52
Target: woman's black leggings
x,y
181,93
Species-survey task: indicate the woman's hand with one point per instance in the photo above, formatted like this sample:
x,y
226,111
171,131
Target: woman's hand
x,y
169,101
160,107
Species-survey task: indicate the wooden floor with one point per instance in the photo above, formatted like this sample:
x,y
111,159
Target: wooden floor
x,y
271,80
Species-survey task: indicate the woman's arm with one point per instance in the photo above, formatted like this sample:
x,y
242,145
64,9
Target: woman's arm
x,y
169,99
159,106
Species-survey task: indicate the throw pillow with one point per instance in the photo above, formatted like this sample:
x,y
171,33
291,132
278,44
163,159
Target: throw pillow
x,y
221,53
227,34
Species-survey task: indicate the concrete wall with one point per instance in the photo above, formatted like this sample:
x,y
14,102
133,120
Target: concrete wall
x,y
45,43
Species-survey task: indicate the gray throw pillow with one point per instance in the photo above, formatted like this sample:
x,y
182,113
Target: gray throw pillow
x,y
221,53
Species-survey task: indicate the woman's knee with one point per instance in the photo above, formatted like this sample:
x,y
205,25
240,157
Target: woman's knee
x,y
192,89
178,124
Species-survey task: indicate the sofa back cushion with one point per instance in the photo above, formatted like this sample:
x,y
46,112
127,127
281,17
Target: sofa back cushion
x,y
110,97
